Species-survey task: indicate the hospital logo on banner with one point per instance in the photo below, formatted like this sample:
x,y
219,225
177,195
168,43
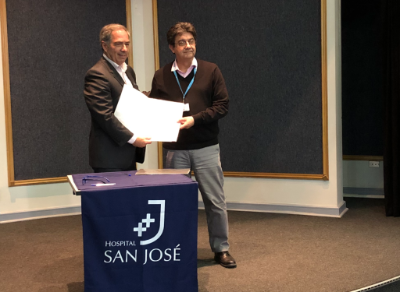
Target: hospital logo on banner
x,y
145,231
145,224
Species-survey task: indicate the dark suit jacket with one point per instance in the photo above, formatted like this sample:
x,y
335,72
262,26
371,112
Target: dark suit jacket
x,y
108,147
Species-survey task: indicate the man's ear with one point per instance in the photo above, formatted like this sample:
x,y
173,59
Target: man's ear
x,y
104,46
172,48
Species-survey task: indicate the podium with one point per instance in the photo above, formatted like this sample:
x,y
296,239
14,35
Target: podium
x,y
139,231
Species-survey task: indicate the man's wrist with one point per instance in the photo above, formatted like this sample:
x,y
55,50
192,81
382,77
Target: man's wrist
x,y
132,140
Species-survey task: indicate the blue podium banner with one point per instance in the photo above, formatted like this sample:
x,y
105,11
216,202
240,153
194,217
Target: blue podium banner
x,y
139,234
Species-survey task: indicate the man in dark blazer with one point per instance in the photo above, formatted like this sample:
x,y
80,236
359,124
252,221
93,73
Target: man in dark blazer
x,y
112,147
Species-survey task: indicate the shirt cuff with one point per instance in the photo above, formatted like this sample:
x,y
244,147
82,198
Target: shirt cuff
x,y
132,140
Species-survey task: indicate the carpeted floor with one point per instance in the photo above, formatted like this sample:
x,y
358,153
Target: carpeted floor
x,y
274,252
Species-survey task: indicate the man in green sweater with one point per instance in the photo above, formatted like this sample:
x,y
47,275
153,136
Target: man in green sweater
x,y
200,86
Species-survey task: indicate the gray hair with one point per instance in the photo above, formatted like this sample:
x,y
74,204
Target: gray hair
x,y
106,31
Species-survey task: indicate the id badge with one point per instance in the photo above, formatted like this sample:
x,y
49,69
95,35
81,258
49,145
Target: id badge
x,y
186,107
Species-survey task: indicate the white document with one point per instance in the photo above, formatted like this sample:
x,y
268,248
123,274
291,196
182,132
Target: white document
x,y
147,117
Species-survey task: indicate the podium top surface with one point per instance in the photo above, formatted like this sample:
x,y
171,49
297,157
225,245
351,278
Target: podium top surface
x,y
88,182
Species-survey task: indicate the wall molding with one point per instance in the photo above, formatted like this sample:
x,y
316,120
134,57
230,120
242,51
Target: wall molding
x,y
245,207
364,192
38,214
337,212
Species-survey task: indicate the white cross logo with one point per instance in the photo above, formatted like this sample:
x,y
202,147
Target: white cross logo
x,y
146,222
140,229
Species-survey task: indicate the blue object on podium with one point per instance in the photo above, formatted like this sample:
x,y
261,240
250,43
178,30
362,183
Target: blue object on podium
x,y
139,232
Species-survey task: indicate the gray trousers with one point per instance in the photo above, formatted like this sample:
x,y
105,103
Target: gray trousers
x,y
206,166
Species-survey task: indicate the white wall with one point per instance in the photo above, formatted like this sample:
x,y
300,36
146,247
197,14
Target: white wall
x,y
143,61
268,192
358,174
362,181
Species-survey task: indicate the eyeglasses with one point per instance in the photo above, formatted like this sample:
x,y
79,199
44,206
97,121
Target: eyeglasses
x,y
183,43
103,179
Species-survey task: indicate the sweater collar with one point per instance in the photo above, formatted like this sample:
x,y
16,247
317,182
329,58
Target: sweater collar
x,y
188,71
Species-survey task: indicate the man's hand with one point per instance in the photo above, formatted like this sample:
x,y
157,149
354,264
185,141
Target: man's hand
x,y
141,142
186,122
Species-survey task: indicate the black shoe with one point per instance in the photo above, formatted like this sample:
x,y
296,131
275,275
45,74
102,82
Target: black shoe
x,y
225,259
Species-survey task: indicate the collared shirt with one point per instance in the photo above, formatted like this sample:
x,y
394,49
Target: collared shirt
x,y
188,71
121,69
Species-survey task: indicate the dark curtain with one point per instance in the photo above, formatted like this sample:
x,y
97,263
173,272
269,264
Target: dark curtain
x,y
391,34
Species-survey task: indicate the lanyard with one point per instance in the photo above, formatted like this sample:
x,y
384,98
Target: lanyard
x,y
190,84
